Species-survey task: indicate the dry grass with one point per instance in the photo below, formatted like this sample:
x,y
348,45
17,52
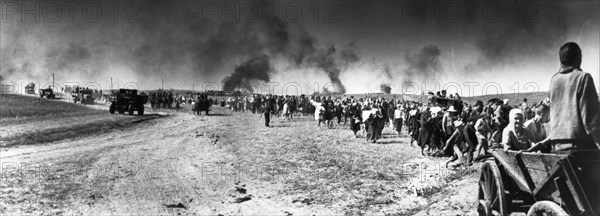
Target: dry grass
x,y
19,106
33,120
100,124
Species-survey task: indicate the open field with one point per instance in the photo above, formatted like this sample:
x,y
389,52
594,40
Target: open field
x,y
228,164
24,106
33,120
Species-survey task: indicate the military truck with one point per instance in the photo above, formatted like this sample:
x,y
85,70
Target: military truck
x,y
47,93
128,100
84,96
30,88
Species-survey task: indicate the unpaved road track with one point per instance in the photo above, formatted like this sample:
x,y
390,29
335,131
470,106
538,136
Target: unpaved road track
x,y
226,164
156,168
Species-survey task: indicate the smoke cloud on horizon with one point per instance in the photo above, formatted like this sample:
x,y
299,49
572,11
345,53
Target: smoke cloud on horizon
x,y
170,40
386,88
422,65
174,41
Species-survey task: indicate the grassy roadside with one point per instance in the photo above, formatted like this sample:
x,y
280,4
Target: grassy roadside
x,y
102,123
32,120
20,106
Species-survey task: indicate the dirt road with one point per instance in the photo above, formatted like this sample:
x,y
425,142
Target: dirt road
x,y
229,163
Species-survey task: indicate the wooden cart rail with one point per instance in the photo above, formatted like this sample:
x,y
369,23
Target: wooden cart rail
x,y
569,179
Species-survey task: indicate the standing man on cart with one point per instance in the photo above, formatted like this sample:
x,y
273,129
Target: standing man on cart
x,y
575,110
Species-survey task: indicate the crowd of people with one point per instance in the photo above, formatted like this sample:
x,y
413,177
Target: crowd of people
x,y
161,99
446,125
442,126
167,99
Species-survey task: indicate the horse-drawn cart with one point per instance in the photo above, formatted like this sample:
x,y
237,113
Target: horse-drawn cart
x,y
540,183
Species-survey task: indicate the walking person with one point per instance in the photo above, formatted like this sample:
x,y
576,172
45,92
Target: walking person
x,y
398,114
482,130
339,111
391,114
319,110
448,122
374,122
355,118
329,113
267,109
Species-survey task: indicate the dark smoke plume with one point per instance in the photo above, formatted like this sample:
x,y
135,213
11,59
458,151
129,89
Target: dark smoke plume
x,y
424,64
348,55
212,46
386,88
326,61
333,63
255,69
387,72
169,39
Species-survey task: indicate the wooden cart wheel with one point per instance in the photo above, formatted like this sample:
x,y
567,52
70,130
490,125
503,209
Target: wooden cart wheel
x,y
492,197
547,208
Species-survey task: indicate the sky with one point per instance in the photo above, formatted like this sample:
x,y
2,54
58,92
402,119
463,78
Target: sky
x,y
297,47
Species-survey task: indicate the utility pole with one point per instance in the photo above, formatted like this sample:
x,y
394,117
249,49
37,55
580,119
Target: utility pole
x,y
111,84
162,84
52,81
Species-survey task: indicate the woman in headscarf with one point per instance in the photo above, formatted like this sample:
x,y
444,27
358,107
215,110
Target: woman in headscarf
x,y
515,136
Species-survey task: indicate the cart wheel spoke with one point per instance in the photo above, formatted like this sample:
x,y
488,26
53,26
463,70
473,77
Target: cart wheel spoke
x,y
490,184
493,191
484,180
495,204
483,189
